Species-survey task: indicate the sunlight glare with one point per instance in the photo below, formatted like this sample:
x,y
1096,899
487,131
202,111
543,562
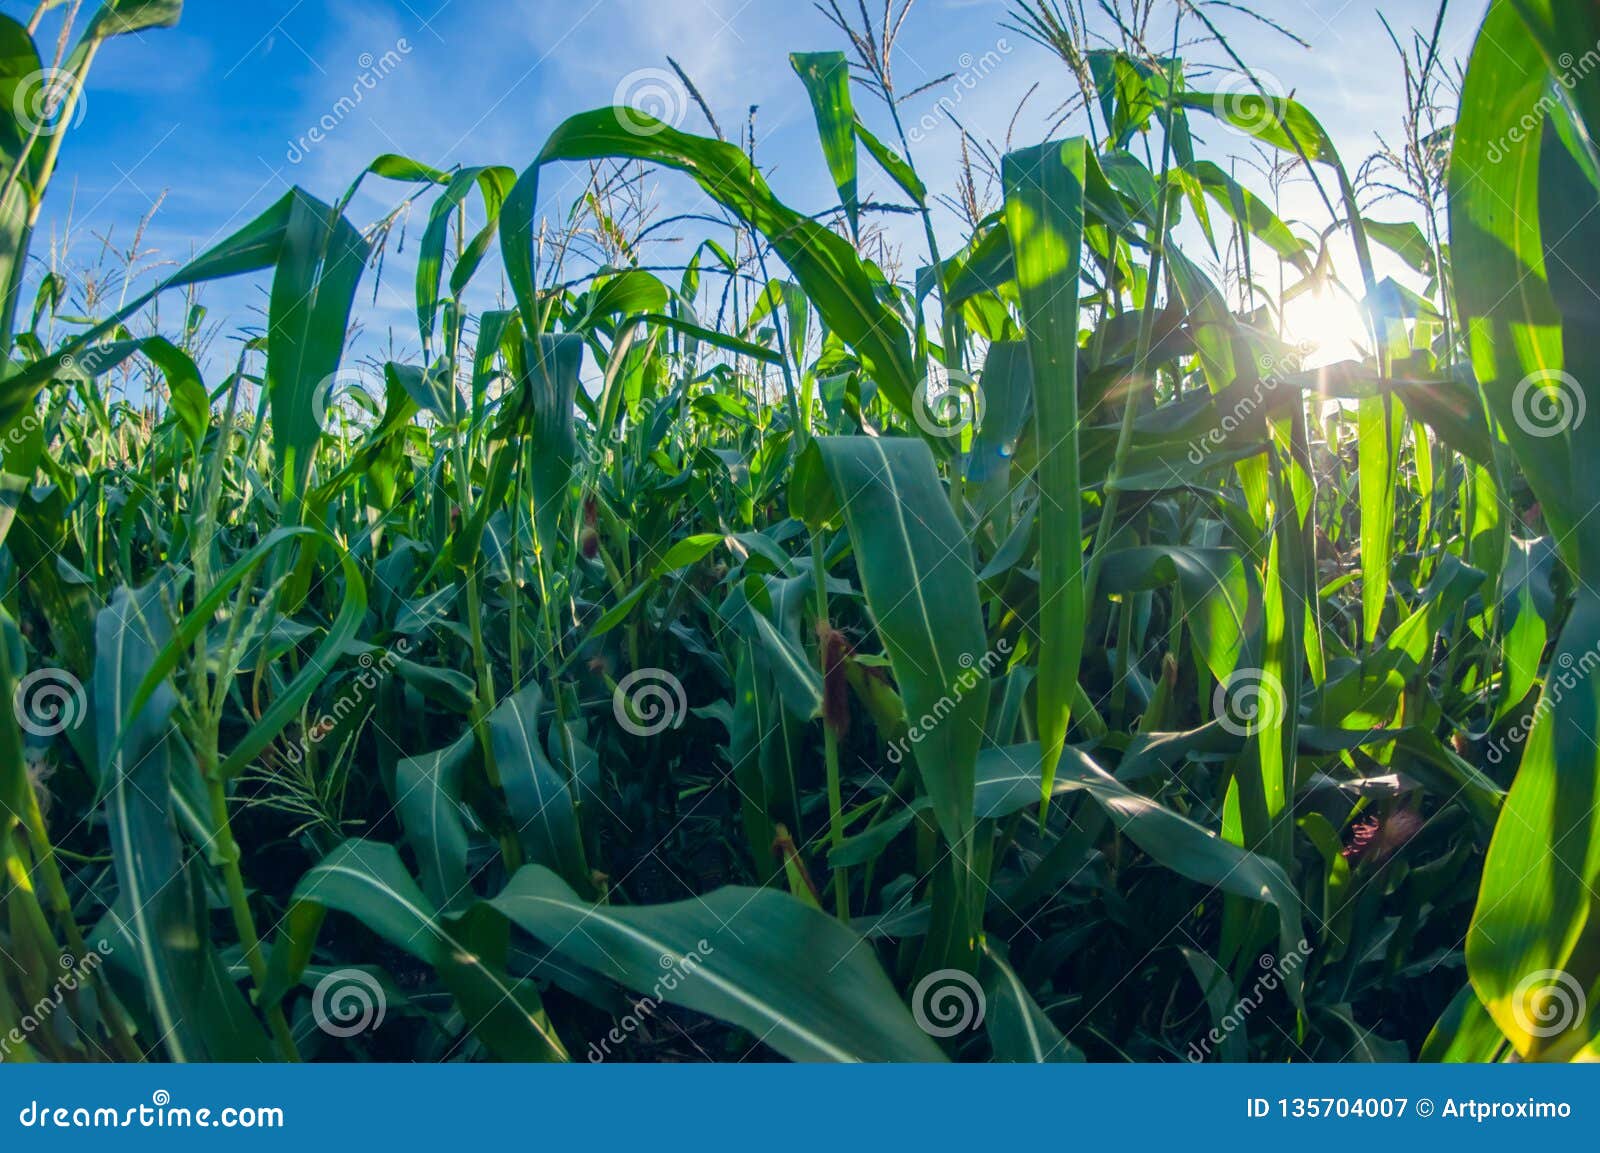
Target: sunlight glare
x,y
1330,323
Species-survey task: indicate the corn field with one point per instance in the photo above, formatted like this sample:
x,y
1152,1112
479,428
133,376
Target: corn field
x,y
1017,652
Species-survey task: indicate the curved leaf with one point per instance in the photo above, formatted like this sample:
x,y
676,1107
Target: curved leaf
x,y
792,976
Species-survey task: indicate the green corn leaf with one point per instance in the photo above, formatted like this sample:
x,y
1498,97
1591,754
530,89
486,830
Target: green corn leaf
x,y
286,705
1251,213
366,880
715,339
1018,1028
1526,951
1378,462
625,294
158,914
255,246
824,263
757,958
539,800
1406,240
1221,594
1464,1033
826,76
1285,124
319,264
919,584
1044,217
894,164
119,17
184,386
1172,840
554,364
494,183
429,788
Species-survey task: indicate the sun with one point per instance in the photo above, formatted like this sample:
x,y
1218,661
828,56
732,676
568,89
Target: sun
x,y
1330,324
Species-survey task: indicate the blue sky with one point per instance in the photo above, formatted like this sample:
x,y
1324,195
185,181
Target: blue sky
x,y
215,112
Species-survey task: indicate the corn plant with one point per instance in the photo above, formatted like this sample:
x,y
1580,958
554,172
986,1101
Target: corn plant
x,y
1028,658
